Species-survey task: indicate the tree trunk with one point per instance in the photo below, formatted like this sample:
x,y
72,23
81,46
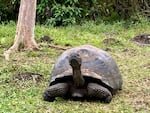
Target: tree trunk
x,y
25,28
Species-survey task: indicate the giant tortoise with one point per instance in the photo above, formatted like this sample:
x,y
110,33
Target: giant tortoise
x,y
84,72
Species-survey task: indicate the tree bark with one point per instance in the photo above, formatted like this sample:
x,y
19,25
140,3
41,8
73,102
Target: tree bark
x,y
25,28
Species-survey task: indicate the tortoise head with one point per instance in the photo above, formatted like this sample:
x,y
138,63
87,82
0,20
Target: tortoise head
x,y
75,61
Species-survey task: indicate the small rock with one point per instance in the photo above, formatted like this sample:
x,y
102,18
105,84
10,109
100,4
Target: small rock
x,y
46,39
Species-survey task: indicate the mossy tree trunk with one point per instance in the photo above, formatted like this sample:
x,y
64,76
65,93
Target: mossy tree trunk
x,y
25,28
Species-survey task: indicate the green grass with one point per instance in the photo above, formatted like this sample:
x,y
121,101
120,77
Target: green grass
x,y
26,97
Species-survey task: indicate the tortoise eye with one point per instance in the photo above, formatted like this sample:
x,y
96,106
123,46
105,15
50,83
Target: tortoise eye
x,y
78,55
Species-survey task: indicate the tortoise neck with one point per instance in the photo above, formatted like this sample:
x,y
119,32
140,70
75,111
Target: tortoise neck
x,y
78,78
75,62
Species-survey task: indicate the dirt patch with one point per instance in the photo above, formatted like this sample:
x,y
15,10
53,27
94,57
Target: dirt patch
x,y
46,39
142,39
130,52
147,80
111,33
138,105
68,45
108,49
146,65
29,76
108,41
139,94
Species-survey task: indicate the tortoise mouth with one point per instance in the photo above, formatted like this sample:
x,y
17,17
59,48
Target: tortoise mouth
x,y
75,62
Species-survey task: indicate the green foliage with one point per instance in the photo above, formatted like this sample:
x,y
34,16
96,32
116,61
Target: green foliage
x,y
66,12
8,10
65,15
43,10
7,34
59,12
63,12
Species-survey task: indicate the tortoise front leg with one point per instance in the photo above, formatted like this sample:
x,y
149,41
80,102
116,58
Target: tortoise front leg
x,y
57,90
98,91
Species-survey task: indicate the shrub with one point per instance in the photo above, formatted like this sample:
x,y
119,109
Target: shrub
x,y
9,10
65,12
58,13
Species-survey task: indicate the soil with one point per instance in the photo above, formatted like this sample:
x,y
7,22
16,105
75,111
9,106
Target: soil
x,y
46,39
142,39
29,76
111,40
68,44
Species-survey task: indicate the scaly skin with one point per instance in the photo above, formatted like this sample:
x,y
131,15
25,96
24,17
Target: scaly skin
x,y
98,91
57,90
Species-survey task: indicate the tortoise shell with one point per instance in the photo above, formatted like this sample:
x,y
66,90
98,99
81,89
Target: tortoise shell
x,y
97,66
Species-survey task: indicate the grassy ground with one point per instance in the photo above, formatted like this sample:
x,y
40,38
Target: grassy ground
x,y
26,97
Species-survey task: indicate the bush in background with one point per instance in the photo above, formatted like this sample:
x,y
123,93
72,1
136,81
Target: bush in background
x,y
66,12
58,12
